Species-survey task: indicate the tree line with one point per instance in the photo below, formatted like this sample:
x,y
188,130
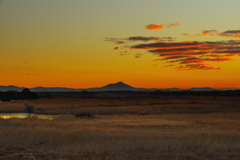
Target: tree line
x,y
15,95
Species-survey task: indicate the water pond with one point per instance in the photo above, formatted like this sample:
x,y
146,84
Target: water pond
x,y
25,115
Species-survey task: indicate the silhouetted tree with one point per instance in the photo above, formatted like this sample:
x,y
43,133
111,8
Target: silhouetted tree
x,y
84,93
27,94
8,96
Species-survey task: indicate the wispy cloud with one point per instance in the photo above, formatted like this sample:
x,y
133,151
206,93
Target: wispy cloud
x,y
205,33
231,33
138,55
185,34
173,25
124,54
154,27
141,38
120,41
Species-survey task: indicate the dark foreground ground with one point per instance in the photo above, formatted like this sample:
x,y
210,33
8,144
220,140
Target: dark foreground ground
x,y
123,128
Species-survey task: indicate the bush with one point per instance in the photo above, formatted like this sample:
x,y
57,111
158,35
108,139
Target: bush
x,y
29,108
84,115
7,96
27,94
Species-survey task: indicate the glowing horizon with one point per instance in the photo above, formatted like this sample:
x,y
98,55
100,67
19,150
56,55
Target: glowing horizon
x,y
148,44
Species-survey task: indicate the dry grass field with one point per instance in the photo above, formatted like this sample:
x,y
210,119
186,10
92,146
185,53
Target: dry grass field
x,y
183,128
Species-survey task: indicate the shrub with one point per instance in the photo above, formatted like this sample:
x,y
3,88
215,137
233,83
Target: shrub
x,y
84,115
27,94
29,108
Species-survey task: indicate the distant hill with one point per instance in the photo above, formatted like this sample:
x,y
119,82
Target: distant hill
x,y
119,86
10,88
52,89
202,89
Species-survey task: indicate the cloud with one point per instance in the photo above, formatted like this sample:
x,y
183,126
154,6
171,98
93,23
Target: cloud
x,y
196,67
173,25
160,26
119,41
156,39
124,54
115,40
185,34
138,55
154,27
185,55
160,45
116,48
192,55
140,38
205,33
231,33
24,62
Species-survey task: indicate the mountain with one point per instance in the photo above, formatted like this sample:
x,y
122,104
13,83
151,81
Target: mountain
x,y
174,89
120,86
53,89
202,89
10,88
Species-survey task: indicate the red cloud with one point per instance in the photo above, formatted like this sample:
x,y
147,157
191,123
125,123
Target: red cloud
x,y
169,45
186,55
116,48
173,25
154,27
205,33
192,55
195,67
229,33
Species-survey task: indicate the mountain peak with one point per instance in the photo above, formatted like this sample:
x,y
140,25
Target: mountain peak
x,y
120,82
118,86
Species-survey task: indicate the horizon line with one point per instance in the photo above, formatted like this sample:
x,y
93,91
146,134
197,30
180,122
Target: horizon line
x,y
118,82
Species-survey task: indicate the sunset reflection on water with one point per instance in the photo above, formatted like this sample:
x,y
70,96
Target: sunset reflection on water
x,y
24,115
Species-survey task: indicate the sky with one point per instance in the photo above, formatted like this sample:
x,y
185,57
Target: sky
x,y
143,43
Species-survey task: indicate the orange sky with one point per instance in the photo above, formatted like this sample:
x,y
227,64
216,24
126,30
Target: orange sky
x,y
151,44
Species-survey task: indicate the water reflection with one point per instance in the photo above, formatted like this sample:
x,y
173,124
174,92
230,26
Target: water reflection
x,y
25,115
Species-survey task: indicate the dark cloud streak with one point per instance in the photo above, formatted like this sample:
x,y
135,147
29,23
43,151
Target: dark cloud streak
x,y
193,55
138,38
186,55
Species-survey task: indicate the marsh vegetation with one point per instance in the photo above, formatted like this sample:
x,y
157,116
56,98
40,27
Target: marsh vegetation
x,y
123,128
